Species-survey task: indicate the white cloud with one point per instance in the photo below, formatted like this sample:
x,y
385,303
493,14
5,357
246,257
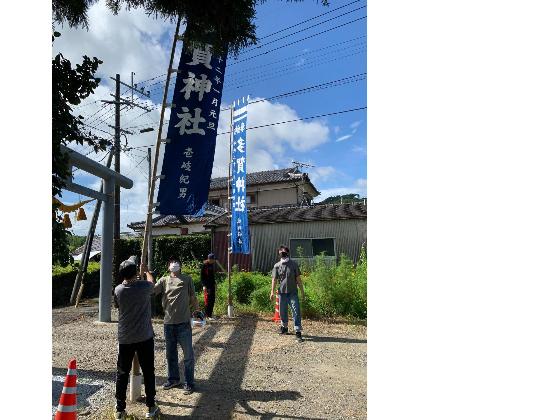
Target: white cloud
x,y
129,41
355,124
321,173
342,138
359,149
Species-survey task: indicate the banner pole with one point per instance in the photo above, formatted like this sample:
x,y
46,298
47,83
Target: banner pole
x,y
136,378
229,240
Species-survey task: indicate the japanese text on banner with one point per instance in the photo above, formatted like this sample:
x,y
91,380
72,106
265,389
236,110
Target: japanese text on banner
x,y
239,221
189,154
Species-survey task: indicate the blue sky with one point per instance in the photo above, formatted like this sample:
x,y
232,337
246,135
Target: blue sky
x,y
335,145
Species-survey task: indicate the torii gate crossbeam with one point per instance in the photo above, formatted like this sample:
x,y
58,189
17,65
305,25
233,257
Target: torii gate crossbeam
x,y
110,179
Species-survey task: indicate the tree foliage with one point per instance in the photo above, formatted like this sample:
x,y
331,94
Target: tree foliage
x,y
70,85
225,24
346,198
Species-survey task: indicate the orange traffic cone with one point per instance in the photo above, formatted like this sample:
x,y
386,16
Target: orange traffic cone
x,y
68,399
277,309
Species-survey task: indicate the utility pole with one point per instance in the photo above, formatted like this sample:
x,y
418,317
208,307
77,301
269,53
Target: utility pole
x,y
117,229
117,127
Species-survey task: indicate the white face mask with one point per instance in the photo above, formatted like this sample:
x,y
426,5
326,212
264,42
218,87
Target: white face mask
x,y
174,267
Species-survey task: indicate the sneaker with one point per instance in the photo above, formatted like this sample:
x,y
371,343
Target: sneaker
x,y
298,336
188,389
171,384
119,415
283,330
152,411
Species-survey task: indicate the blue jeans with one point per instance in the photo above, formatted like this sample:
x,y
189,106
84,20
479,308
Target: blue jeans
x,y
180,334
291,299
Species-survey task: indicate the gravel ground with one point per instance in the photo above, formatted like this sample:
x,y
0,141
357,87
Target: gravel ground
x,y
244,369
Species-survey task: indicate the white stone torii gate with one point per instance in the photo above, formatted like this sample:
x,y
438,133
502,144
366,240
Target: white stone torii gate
x,y
110,179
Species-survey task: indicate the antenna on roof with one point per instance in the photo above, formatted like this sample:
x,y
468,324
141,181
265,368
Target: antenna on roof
x,y
298,164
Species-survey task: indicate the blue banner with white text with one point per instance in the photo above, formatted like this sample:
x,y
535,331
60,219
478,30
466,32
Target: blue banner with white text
x,y
191,136
239,221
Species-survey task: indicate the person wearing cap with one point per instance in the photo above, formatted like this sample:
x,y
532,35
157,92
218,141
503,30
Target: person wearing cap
x,y
287,276
135,335
178,297
208,279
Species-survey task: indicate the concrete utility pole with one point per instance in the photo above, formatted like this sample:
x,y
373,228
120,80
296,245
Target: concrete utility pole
x,y
150,241
117,127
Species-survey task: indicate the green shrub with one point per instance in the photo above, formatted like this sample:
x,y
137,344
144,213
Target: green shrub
x,y
63,282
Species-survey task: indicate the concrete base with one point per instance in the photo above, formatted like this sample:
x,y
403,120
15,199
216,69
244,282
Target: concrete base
x,y
135,387
230,311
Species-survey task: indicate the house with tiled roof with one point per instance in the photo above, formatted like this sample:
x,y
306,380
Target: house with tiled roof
x,y
277,187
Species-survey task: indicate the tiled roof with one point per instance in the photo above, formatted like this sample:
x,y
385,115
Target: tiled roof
x,y
95,246
300,214
210,213
257,178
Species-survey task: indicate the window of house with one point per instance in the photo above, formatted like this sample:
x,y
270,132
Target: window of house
x,y
312,247
184,231
215,201
250,199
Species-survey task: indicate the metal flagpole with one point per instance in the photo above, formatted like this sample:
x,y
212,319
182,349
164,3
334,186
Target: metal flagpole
x,y
230,300
136,378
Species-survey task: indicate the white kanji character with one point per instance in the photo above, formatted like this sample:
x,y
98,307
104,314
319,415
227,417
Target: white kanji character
x,y
186,166
218,80
239,241
202,57
188,152
187,120
240,184
182,192
240,204
184,179
241,145
220,59
213,113
192,84
236,129
215,102
238,221
242,128
240,164
212,126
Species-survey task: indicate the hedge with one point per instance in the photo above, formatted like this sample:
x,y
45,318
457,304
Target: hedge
x,y
163,248
63,282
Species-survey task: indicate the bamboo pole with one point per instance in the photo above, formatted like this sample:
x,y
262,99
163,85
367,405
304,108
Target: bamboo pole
x,y
135,379
229,241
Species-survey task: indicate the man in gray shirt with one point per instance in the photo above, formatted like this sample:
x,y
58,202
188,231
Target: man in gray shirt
x,y
287,275
135,335
177,297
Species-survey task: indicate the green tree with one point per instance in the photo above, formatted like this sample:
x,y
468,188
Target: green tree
x,y
70,86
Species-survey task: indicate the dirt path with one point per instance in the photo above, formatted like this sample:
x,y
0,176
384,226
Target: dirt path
x,y
244,369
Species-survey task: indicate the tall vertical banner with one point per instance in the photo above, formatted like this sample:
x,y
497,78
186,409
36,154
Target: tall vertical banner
x,y
239,221
191,136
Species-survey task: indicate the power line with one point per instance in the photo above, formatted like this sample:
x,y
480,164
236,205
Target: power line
x,y
325,85
283,122
310,19
302,30
299,40
312,51
284,71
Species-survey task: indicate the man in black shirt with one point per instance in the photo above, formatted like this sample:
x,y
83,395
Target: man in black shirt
x,y
207,276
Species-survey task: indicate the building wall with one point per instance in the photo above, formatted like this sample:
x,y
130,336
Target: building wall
x,y
220,245
194,228
349,236
267,194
